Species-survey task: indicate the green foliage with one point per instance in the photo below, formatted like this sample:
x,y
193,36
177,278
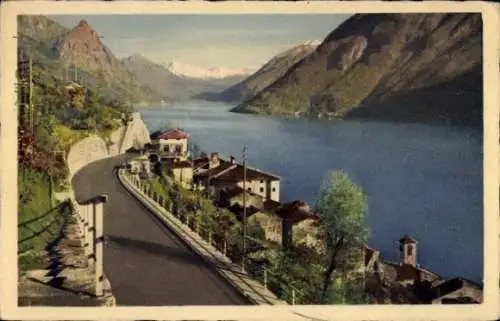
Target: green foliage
x,y
39,221
342,206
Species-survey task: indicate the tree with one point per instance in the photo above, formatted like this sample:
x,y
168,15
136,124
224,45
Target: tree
x,y
341,206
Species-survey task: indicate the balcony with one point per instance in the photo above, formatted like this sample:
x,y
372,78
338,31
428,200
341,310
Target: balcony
x,y
175,154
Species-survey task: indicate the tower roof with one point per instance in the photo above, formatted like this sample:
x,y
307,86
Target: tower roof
x,y
407,239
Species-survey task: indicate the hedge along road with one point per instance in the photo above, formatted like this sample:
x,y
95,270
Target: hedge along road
x,y
146,263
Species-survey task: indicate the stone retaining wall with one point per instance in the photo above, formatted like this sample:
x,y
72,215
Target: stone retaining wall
x,y
84,152
94,148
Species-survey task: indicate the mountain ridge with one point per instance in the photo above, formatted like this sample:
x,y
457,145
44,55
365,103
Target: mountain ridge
x,y
56,48
263,77
374,58
192,71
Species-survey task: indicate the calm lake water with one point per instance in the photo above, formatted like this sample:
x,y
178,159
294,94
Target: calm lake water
x,y
425,181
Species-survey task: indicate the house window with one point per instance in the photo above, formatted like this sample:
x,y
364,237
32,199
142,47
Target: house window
x,y
409,250
262,189
178,148
262,181
274,189
249,189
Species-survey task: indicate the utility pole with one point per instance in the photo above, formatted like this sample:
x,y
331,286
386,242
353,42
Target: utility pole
x,y
30,101
244,208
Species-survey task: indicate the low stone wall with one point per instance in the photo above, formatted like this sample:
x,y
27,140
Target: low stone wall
x,y
94,148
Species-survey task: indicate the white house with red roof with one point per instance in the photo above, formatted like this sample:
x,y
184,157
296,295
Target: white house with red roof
x,y
172,143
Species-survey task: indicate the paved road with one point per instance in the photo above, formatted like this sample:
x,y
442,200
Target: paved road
x,y
146,263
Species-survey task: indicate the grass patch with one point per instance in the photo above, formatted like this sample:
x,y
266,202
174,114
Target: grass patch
x,y
40,218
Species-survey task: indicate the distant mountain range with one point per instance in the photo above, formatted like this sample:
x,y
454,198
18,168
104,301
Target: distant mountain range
x,y
398,67
403,67
80,55
176,86
190,71
266,75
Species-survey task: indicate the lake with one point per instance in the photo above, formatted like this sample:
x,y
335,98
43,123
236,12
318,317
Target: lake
x,y
421,180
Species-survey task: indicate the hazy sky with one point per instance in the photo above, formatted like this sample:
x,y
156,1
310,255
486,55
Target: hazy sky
x,y
233,41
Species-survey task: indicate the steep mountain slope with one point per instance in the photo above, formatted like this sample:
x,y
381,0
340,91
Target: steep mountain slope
x,y
162,80
40,28
267,74
82,46
411,67
79,54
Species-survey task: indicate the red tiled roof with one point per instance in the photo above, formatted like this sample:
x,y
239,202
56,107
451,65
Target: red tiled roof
x,y
271,206
233,192
410,272
214,171
237,175
181,164
454,284
200,162
172,134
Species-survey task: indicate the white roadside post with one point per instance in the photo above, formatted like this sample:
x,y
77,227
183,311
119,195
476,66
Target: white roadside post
x,y
86,212
98,203
79,219
92,209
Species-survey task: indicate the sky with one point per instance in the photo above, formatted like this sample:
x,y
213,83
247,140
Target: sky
x,y
227,41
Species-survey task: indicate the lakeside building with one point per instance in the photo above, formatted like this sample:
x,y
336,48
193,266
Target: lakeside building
x,y
171,144
295,223
426,285
220,176
140,165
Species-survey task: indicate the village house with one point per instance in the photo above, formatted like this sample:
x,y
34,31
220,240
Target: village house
x,y
456,290
140,165
220,175
182,171
426,285
171,144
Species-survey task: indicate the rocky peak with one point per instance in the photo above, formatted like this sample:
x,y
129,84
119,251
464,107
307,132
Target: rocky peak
x,y
83,32
83,47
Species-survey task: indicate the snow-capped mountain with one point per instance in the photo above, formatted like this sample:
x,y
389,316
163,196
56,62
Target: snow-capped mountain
x,y
190,71
275,68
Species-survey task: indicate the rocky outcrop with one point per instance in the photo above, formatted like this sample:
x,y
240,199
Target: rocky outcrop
x,y
347,54
83,47
136,134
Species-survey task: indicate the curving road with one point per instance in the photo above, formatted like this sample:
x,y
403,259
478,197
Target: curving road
x,y
146,263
